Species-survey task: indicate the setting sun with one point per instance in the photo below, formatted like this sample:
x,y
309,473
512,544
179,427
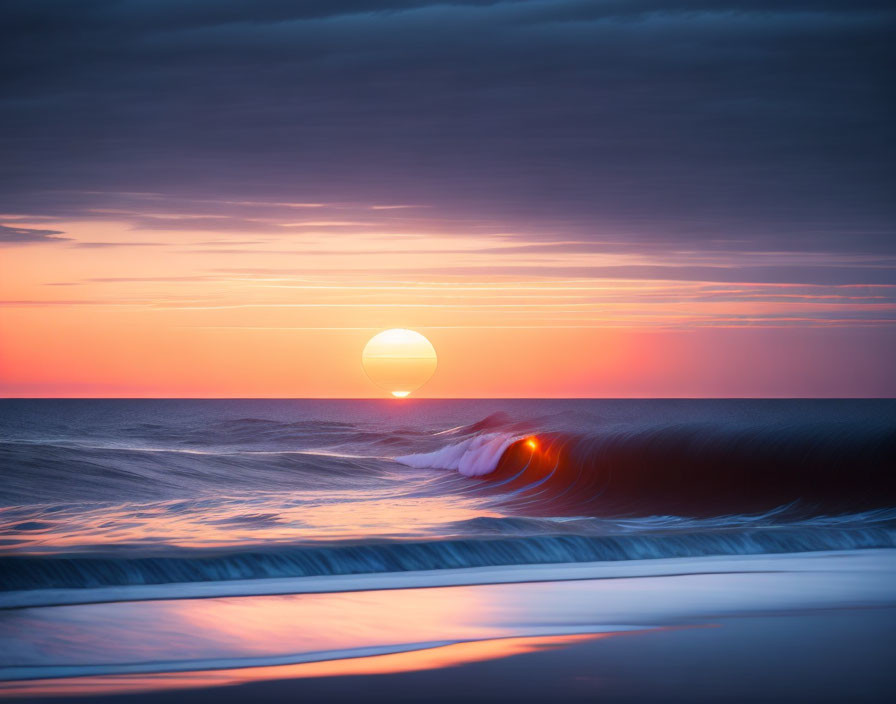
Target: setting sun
x,y
399,361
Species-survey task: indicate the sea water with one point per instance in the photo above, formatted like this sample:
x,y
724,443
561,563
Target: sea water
x,y
97,493
496,521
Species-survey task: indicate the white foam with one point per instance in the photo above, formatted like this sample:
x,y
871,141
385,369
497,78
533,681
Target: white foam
x,y
472,457
877,565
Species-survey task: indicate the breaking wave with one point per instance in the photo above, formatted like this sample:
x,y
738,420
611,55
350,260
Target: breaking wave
x,y
472,457
695,470
90,571
155,493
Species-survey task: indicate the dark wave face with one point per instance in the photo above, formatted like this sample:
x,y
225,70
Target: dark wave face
x,y
97,494
702,470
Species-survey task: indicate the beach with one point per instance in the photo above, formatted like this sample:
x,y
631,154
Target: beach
x,y
813,627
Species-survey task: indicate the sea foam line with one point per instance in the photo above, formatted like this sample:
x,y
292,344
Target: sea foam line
x,y
882,560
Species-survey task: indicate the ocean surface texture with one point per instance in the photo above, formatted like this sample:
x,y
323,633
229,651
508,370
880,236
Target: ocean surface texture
x,y
213,546
121,493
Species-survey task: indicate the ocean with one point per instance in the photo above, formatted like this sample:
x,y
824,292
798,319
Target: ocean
x,y
100,493
130,507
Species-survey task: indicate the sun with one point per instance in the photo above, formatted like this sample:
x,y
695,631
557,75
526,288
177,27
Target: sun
x,y
399,361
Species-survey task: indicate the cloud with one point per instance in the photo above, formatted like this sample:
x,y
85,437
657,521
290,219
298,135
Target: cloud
x,y
28,235
151,279
821,275
110,245
665,124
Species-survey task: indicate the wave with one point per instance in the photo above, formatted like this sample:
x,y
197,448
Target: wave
x,y
95,472
687,470
472,457
223,452
579,525
557,488
92,571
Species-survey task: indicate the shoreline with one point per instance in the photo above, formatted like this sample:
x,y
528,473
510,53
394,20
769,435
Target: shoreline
x,y
467,576
828,656
227,645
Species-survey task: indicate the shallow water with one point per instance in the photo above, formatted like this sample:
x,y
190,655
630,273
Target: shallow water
x,y
131,646
119,492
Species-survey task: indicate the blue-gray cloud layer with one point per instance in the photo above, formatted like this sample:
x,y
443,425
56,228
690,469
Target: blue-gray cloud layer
x,y
28,235
758,125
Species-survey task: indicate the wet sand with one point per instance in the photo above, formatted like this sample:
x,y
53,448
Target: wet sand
x,y
806,628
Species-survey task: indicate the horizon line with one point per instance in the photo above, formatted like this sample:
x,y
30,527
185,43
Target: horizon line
x,y
447,398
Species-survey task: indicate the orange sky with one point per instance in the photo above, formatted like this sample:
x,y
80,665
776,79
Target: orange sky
x,y
230,199
118,309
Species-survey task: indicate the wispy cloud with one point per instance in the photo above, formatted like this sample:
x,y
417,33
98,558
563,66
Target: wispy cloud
x,y
150,279
29,235
327,223
112,245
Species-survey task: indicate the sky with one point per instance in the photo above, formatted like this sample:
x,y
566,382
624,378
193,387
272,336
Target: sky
x,y
604,198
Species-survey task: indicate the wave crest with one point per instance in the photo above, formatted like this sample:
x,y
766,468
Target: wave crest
x,y
94,571
686,470
473,457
